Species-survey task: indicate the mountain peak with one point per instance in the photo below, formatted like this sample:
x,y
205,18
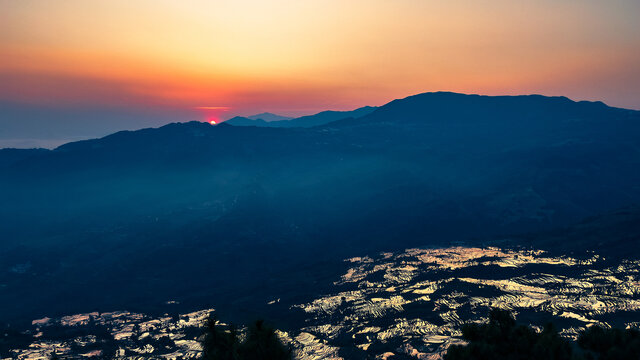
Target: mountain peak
x,y
433,107
267,116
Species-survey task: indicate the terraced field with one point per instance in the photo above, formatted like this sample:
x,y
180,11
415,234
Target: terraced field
x,y
415,302
410,304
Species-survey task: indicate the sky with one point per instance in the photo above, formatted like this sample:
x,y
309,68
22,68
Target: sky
x,y
72,69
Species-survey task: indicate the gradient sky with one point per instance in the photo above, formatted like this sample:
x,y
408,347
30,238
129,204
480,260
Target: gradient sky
x,y
77,68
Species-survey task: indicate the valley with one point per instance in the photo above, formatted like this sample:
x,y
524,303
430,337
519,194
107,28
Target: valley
x,y
410,303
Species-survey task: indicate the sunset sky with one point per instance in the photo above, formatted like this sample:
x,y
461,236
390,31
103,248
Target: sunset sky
x,y
77,68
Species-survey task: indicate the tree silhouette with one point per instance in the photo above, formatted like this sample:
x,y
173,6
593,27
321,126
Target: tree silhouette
x,y
501,338
610,344
261,343
219,344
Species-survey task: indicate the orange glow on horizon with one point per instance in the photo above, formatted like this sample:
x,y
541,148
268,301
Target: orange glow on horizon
x,y
224,108
313,55
213,114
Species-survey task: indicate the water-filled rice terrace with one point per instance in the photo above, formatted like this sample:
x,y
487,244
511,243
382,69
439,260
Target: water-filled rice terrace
x,y
410,303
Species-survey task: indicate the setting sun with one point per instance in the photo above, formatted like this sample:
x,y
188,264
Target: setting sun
x,y
389,179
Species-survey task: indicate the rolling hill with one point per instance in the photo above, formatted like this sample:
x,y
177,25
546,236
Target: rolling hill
x,y
320,118
232,214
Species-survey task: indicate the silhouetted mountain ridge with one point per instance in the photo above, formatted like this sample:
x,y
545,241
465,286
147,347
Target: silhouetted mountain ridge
x,y
320,118
129,216
267,116
448,106
11,156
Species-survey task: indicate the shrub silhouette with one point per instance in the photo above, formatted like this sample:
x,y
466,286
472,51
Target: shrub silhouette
x,y
261,343
501,338
610,344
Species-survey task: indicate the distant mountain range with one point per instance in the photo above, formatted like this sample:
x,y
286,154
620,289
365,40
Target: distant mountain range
x,y
325,117
266,116
198,213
